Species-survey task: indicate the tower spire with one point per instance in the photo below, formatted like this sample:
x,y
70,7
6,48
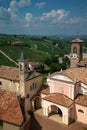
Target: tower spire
x,y
22,57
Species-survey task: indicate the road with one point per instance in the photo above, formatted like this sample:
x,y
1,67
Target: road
x,y
8,57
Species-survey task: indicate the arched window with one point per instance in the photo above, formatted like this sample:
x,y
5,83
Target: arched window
x,y
74,50
0,83
80,111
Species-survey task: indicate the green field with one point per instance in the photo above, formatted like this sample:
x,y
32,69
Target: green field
x,y
35,48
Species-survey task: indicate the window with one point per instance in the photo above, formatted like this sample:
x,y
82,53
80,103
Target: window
x,y
1,125
74,50
33,86
0,84
80,111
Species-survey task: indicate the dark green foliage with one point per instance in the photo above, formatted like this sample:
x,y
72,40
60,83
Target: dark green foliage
x,y
35,48
5,61
48,61
55,67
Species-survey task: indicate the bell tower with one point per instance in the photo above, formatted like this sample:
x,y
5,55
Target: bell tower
x,y
76,52
23,73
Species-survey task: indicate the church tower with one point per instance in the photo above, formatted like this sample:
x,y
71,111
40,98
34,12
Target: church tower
x,y
23,73
76,52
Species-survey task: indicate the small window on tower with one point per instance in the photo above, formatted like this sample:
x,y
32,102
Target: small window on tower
x,y
0,83
21,67
1,125
75,50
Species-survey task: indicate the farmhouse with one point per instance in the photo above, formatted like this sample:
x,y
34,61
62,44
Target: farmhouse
x,y
17,43
65,92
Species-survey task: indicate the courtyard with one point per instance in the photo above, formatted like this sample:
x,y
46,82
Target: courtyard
x,y
40,122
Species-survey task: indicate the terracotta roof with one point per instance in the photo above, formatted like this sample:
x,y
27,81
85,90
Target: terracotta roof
x,y
9,73
59,99
45,90
81,100
77,40
81,64
34,63
77,74
9,108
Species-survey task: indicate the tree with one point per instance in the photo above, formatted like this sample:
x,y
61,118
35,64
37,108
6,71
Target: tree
x,y
55,67
48,61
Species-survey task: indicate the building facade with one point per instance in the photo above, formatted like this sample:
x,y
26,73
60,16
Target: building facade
x,y
25,83
76,52
65,93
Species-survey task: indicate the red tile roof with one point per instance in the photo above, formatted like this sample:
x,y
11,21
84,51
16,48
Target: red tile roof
x,y
77,74
81,100
9,108
77,40
59,99
34,63
9,73
81,64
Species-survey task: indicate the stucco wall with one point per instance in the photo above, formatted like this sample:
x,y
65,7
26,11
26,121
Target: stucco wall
x,y
9,85
42,96
72,113
61,87
7,126
37,81
62,77
76,89
47,104
81,116
83,89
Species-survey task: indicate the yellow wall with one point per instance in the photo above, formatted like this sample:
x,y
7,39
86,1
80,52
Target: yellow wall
x,y
9,85
37,81
7,126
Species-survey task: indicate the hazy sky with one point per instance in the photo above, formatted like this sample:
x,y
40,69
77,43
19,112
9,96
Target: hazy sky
x,y
43,17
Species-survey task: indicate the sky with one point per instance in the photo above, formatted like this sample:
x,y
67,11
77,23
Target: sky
x,y
43,17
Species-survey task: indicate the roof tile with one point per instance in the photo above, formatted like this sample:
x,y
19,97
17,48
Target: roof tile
x,y
59,99
9,73
77,74
82,100
10,110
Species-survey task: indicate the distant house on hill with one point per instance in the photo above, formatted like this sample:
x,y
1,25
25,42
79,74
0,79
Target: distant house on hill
x,y
35,65
17,43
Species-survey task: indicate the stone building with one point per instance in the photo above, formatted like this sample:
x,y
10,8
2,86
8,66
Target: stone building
x,y
24,82
65,93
